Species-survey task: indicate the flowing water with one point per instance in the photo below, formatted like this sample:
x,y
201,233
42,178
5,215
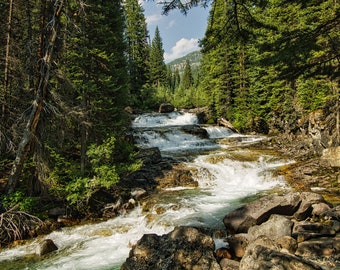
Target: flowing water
x,y
226,170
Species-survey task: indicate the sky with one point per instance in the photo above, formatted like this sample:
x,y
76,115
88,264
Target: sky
x,y
180,33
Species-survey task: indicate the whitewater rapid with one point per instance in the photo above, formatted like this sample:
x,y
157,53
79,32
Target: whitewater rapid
x,y
224,180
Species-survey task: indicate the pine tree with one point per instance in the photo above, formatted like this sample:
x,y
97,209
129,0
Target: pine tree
x,y
138,49
157,65
187,78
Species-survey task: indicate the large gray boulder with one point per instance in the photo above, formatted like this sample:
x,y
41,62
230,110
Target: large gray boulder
x,y
183,248
332,156
308,199
260,257
277,226
259,211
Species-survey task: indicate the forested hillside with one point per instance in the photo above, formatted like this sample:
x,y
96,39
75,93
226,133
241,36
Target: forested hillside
x,y
194,59
69,69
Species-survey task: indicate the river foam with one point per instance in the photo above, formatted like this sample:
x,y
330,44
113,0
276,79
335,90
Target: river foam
x,y
223,182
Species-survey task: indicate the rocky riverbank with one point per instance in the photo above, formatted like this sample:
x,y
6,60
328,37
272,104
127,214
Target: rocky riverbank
x,y
293,231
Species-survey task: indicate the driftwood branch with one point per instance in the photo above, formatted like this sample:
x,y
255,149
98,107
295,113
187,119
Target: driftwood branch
x,y
16,225
224,122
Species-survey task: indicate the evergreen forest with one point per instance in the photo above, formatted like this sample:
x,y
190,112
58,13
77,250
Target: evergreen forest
x,y
71,71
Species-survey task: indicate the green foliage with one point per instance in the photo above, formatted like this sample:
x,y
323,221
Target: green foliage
x,y
20,201
272,62
312,93
104,174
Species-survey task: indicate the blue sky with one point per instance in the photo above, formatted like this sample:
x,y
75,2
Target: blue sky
x,y
179,33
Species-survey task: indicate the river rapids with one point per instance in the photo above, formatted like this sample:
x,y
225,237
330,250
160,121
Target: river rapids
x,y
226,170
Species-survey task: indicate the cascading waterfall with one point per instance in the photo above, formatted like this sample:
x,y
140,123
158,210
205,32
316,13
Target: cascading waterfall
x,y
225,176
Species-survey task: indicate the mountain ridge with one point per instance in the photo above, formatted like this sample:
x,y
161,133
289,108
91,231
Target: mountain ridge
x,y
179,63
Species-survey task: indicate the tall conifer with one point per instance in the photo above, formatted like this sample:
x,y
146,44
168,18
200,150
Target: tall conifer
x,y
138,48
157,65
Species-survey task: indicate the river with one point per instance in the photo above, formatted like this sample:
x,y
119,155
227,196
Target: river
x,y
227,173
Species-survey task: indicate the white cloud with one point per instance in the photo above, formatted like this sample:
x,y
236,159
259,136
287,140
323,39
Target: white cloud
x,y
153,19
182,47
171,24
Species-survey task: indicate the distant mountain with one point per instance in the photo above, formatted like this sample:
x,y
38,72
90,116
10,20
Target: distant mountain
x,y
179,63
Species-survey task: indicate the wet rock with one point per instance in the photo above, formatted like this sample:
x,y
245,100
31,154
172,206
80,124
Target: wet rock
x,y
238,244
179,176
277,226
257,212
166,108
204,114
261,257
197,131
287,244
227,264
138,193
222,253
183,248
307,200
45,247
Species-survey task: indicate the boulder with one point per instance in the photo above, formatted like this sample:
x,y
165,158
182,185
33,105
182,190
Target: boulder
x,y
332,156
183,248
327,246
46,246
227,264
277,226
238,244
261,257
222,253
150,155
259,211
333,213
204,114
307,200
319,208
166,108
287,244
179,176
305,230
196,130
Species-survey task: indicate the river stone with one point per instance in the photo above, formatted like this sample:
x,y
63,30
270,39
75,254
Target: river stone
x,y
238,244
287,244
227,264
332,156
166,108
46,246
277,226
319,208
315,248
305,230
307,200
263,258
257,212
333,213
183,248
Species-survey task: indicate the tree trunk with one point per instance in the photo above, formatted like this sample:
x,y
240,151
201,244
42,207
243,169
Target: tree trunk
x,y
4,114
38,103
